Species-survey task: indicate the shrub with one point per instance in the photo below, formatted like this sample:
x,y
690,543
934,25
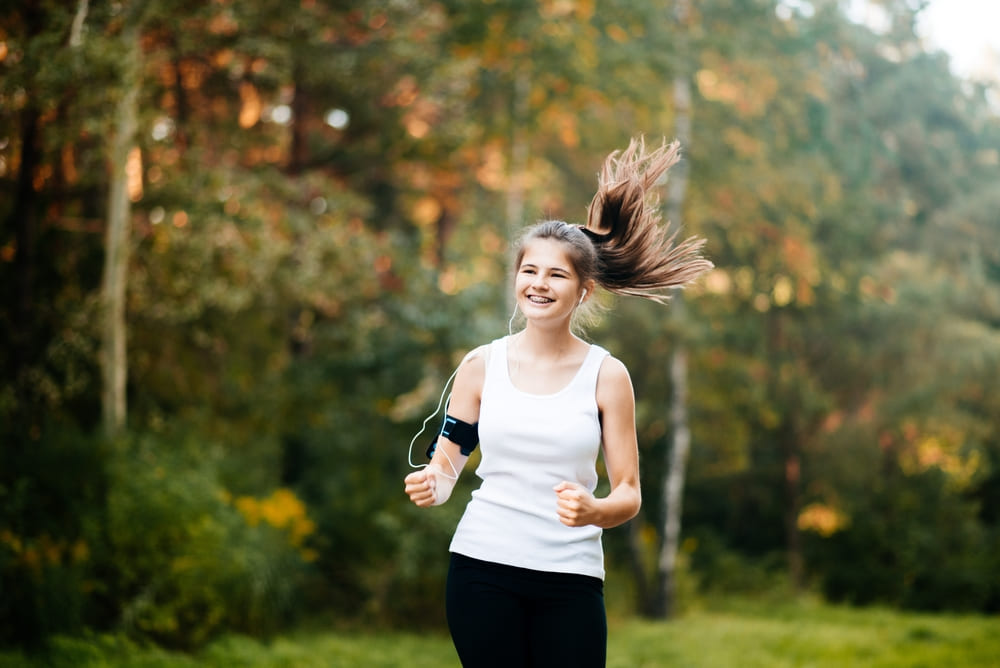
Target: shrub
x,y
188,560
51,491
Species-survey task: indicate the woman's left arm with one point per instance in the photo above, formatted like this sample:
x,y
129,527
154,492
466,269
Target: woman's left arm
x,y
616,403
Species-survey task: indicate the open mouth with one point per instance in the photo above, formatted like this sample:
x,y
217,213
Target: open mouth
x,y
537,299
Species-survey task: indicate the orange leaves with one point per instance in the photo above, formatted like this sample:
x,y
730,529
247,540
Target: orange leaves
x,y
743,144
192,73
800,259
562,9
223,23
617,33
43,551
935,444
422,113
426,211
402,94
565,122
747,87
250,105
491,172
420,118
133,174
822,519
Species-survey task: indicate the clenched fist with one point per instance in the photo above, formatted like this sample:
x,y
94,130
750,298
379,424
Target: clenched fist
x,y
421,487
576,506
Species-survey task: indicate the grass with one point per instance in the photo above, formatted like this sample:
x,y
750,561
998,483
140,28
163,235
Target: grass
x,y
805,634
808,635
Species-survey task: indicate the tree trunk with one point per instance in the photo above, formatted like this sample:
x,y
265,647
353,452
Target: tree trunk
x,y
113,350
79,18
23,218
647,599
673,485
789,435
796,562
299,149
673,488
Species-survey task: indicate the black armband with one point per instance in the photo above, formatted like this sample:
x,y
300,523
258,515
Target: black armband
x,y
459,432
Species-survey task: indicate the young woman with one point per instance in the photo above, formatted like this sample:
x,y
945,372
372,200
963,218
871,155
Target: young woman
x,y
525,583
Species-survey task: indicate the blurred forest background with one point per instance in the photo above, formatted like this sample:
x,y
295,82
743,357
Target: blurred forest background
x,y
244,244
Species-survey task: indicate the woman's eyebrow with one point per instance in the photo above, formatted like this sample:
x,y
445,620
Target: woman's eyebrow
x,y
530,265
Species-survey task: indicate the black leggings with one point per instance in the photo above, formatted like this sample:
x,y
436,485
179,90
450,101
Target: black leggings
x,y
511,617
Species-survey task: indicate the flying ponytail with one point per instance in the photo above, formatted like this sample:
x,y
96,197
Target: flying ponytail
x,y
636,255
623,247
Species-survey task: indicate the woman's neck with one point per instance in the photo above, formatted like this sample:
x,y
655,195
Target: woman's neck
x,y
543,360
540,342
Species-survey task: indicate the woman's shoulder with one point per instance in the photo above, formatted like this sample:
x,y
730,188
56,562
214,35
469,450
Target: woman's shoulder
x,y
614,387
613,374
472,368
481,353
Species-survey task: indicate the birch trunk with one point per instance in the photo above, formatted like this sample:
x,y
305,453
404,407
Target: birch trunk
x,y
79,18
673,485
114,371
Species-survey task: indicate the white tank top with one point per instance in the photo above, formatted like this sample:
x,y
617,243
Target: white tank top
x,y
530,443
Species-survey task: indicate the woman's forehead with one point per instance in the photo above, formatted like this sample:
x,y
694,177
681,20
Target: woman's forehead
x,y
547,252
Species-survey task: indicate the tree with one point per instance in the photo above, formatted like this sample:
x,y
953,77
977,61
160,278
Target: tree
x,y
125,165
673,484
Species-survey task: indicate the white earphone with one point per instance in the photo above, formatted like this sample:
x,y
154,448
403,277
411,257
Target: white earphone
x,y
582,297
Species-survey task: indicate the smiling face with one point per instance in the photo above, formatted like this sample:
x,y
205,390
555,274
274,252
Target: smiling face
x,y
547,285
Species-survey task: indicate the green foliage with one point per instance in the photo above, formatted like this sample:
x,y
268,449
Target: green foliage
x,y
721,570
187,562
915,545
49,516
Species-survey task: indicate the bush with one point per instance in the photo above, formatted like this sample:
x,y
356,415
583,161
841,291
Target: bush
x,y
189,560
914,542
51,491
722,570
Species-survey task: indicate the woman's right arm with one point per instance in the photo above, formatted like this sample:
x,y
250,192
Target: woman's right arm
x,y
433,484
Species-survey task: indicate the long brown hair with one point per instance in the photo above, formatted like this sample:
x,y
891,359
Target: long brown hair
x,y
623,247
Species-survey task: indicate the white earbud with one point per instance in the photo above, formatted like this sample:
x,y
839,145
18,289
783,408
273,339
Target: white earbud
x,y
582,298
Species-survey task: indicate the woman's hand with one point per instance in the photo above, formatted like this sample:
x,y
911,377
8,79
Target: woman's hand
x,y
576,506
421,487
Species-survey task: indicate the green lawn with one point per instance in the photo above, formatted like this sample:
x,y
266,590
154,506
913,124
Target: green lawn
x,y
746,635
808,636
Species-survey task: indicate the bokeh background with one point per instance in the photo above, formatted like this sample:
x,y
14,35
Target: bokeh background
x,y
245,243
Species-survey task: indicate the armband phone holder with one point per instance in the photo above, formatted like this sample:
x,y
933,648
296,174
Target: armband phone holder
x,y
459,432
